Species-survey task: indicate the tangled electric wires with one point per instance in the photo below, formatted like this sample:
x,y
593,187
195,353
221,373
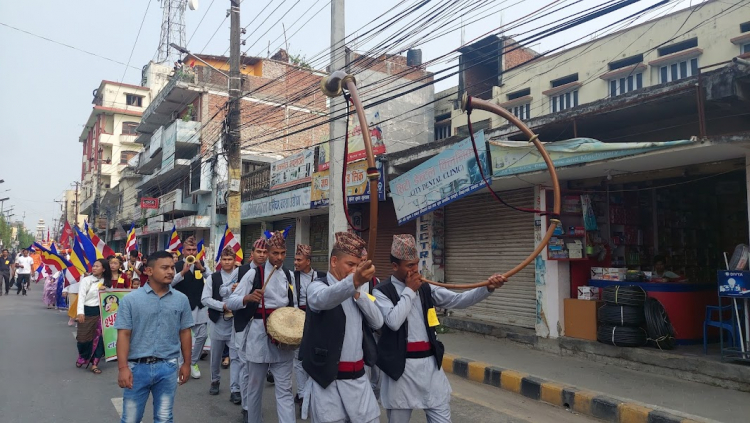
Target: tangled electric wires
x,y
661,333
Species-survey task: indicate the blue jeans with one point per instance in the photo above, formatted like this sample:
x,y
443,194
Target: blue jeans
x,y
159,379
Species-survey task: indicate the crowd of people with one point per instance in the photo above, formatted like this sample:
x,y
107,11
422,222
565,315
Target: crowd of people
x,y
365,342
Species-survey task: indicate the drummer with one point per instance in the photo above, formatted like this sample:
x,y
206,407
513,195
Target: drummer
x,y
332,345
259,352
303,275
220,324
412,377
241,318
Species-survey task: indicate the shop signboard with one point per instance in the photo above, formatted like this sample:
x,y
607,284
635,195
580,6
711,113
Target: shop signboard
x,y
445,178
149,203
516,157
734,283
285,202
356,142
357,185
109,302
293,170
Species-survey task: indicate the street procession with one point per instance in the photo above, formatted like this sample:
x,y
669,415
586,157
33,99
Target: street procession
x,y
353,212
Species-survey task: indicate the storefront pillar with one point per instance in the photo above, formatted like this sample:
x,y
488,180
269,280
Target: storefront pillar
x,y
430,245
551,279
302,234
747,186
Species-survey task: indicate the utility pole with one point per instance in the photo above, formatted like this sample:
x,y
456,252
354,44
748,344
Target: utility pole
x,y
337,128
75,203
95,205
233,136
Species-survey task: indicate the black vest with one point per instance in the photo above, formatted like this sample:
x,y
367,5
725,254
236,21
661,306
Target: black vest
x,y
392,345
323,340
243,316
190,286
216,282
298,283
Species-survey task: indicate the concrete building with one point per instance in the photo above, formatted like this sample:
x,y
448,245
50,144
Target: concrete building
x,y
41,231
70,206
108,142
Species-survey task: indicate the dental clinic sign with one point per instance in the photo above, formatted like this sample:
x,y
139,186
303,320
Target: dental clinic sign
x,y
286,202
445,178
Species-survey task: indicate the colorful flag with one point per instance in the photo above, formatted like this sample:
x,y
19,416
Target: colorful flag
x,y
100,245
131,243
174,243
92,254
228,240
53,249
67,233
72,275
78,257
55,263
201,251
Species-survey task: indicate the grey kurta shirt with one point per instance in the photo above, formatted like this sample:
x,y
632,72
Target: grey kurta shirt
x,y
222,329
200,315
304,282
422,385
257,347
345,399
238,338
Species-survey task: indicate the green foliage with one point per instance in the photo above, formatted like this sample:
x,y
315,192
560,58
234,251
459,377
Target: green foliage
x,y
25,238
299,60
5,232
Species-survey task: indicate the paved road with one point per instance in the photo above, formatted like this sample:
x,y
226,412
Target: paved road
x,y
39,382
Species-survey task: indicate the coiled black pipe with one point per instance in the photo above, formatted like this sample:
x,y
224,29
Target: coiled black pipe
x,y
621,315
660,330
621,336
624,295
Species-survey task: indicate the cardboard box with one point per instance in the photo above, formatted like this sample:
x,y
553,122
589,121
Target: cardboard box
x,y
608,273
589,293
580,318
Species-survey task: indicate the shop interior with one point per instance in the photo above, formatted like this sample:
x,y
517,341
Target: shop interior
x,y
665,231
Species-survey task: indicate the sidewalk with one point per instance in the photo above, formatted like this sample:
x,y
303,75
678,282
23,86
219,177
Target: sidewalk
x,y
663,392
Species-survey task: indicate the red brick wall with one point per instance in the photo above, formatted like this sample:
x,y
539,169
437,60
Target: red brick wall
x,y
514,55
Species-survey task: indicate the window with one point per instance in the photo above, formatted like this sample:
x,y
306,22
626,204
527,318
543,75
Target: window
x,y
745,49
678,70
628,61
442,131
676,47
564,101
519,94
564,80
133,100
745,27
125,156
128,128
522,111
625,84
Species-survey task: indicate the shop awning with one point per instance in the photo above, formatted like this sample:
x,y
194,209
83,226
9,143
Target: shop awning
x,y
644,159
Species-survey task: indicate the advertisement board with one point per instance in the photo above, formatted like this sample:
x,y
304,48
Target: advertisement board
x,y
357,185
293,170
356,142
109,302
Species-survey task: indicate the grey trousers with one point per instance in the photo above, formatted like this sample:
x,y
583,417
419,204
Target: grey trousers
x,y
373,375
243,377
300,375
217,347
441,414
201,333
282,374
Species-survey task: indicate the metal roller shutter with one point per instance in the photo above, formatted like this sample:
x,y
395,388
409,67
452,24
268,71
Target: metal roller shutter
x,y
483,237
290,246
250,233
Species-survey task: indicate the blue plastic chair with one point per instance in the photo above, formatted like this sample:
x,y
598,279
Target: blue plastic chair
x,y
729,325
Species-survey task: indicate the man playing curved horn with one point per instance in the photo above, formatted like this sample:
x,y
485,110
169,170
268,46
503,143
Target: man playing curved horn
x,y
413,378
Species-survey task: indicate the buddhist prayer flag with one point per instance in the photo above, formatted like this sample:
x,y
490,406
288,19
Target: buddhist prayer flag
x,y
101,247
92,254
228,240
131,243
78,257
67,233
201,251
174,243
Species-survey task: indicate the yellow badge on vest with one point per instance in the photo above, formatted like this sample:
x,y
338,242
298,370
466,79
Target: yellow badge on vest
x,y
371,297
198,274
432,319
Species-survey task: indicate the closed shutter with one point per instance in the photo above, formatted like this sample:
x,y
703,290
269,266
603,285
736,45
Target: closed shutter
x,y
319,242
250,233
483,237
290,246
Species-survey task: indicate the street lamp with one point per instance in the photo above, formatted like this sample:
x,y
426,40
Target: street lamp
x,y
183,50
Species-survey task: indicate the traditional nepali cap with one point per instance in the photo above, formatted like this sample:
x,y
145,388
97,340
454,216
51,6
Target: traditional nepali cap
x,y
404,247
304,250
277,240
349,243
261,244
364,253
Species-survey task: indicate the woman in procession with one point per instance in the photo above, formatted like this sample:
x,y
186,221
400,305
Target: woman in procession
x,y
119,278
50,291
90,347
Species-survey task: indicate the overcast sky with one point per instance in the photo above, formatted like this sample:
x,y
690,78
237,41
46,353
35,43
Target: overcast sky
x,y
46,89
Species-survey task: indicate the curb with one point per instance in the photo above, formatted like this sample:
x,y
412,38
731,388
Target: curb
x,y
590,403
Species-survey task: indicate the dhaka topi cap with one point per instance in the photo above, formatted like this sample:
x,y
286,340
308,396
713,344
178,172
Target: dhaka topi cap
x,y
404,247
349,243
304,250
277,240
260,243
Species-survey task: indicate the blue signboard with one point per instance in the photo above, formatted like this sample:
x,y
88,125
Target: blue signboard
x,y
733,283
445,178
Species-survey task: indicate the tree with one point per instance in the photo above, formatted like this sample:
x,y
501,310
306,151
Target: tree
x,y
300,61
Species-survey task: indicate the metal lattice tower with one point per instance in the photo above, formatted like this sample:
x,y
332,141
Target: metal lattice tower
x,y
172,30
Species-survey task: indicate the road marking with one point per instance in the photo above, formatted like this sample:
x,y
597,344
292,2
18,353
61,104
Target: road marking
x,y
117,402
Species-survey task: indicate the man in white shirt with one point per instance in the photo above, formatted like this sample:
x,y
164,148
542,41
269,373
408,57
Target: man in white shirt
x,y
24,263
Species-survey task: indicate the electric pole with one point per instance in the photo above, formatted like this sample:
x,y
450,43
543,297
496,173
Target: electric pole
x,y
337,128
95,205
233,135
75,203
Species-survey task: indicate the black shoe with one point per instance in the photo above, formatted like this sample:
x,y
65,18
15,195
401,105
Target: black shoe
x,y
244,416
269,377
235,397
214,390
204,355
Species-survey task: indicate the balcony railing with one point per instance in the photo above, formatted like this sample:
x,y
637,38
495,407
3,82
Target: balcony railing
x,y
256,183
173,202
180,76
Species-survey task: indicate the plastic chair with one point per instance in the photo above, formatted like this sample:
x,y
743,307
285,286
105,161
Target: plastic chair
x,y
730,325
